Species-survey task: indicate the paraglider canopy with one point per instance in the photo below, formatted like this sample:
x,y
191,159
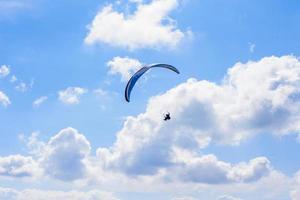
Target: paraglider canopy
x,y
142,71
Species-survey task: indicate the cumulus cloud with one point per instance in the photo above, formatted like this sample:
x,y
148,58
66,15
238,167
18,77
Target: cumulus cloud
x,y
150,26
208,169
251,171
124,66
65,155
4,70
71,95
39,101
4,100
34,194
255,97
269,187
18,166
35,146
274,186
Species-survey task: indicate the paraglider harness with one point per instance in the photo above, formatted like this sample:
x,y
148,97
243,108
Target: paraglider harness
x,y
167,116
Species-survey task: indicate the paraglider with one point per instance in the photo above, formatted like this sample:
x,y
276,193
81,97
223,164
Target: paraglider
x,y
140,72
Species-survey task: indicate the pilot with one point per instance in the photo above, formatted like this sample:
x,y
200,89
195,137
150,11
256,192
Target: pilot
x,y
167,116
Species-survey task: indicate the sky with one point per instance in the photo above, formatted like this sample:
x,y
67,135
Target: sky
x,y
68,133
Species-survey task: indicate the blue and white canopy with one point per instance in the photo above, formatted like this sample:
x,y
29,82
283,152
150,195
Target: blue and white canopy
x,y
139,73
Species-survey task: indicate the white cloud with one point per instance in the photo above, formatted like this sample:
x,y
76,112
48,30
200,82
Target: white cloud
x,y
226,197
35,194
71,95
18,166
274,186
256,97
183,198
208,169
4,70
124,66
35,146
39,101
251,171
295,192
67,157
150,26
21,87
24,87
13,79
4,100
64,156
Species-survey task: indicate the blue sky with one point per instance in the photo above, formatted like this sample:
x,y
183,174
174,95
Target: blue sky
x,y
65,124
